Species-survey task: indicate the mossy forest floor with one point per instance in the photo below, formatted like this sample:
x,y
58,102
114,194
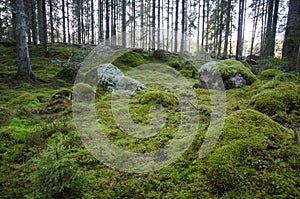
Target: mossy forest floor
x,y
43,157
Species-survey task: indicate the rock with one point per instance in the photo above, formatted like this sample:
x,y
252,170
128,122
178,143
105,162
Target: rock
x,y
238,81
233,74
111,78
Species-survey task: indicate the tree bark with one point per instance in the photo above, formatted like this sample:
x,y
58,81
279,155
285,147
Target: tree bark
x,y
124,23
24,67
291,45
176,26
42,21
227,29
239,49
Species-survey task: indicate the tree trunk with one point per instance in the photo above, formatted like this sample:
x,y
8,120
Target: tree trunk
x,y
291,45
227,29
158,25
168,24
207,27
176,26
239,48
64,22
182,49
100,21
153,25
107,22
33,22
42,21
51,20
255,21
124,23
24,67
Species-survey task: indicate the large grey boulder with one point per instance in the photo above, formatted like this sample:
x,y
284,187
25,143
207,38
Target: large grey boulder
x,y
226,74
113,80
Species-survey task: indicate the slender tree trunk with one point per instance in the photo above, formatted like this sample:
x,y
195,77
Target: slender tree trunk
x,y
239,49
64,22
33,22
207,27
198,30
134,23
68,22
203,23
142,25
24,67
107,22
100,21
124,23
158,25
168,24
42,18
92,22
227,29
221,28
182,49
176,26
51,20
153,25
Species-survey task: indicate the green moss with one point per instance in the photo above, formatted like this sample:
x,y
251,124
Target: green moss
x,y
250,143
284,97
129,59
269,74
25,99
229,68
19,129
165,99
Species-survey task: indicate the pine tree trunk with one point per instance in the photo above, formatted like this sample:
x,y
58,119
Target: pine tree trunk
x,y
168,24
24,67
42,21
100,21
239,49
153,25
158,25
92,22
124,23
182,46
64,22
203,22
107,22
51,21
176,26
33,21
227,29
291,45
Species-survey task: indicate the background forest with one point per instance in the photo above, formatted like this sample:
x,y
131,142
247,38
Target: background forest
x,y
43,44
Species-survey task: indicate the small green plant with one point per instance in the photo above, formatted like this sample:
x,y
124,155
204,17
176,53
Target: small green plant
x,y
56,174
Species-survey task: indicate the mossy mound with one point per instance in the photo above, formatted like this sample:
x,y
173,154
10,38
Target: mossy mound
x,y
279,102
129,59
234,73
163,98
269,74
173,60
229,68
251,150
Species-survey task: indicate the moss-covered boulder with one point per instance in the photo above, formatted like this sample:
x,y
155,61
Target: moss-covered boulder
x,y
156,97
110,77
128,59
279,100
234,74
251,150
269,74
